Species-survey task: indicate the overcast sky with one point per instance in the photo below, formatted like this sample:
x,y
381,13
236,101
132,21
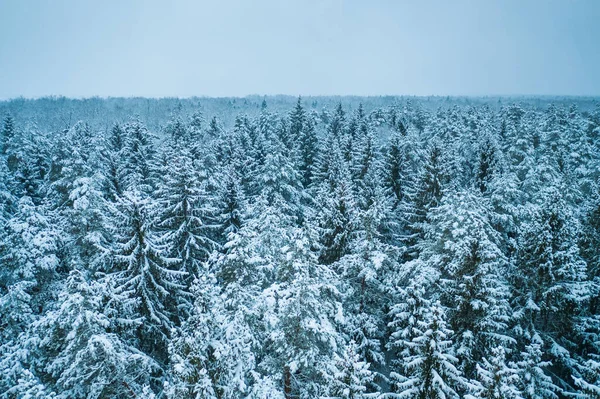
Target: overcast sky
x,y
233,48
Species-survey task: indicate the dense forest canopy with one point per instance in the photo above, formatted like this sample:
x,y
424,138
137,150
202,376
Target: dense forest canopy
x,y
279,247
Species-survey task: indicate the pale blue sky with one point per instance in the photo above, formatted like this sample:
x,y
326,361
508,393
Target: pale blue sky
x,y
82,48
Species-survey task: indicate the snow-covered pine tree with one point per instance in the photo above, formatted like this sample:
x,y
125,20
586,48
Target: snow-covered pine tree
x,y
337,213
588,384
8,200
364,161
176,130
365,271
77,192
487,165
590,248
433,179
31,255
505,200
432,371
351,376
279,181
140,168
112,165
588,323
143,273
7,134
497,378
196,125
229,205
297,120
398,175
550,283
211,354
407,314
29,160
337,124
461,243
75,353
399,166
184,214
534,382
308,152
301,310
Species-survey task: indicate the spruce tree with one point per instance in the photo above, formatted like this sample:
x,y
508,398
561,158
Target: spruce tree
x,y
432,181
550,285
308,153
337,125
337,217
301,308
142,272
432,372
297,120
112,180
31,255
77,354
185,216
534,381
77,192
8,132
211,354
398,167
140,167
497,378
351,376
462,244
230,205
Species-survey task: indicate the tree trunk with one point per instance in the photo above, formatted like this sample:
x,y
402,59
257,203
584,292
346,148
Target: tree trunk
x,y
287,383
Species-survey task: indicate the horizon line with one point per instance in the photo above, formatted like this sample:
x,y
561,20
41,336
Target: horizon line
x,y
474,96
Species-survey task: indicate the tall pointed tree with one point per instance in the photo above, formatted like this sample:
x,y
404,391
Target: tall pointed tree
x,y
432,372
143,273
140,167
550,284
7,134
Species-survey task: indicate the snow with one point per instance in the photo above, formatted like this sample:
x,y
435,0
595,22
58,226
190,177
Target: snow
x,y
408,248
